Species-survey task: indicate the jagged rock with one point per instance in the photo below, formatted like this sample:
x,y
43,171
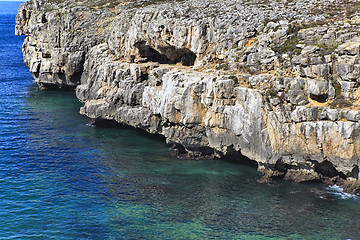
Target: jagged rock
x,y
350,185
329,114
350,47
351,115
302,175
318,88
309,50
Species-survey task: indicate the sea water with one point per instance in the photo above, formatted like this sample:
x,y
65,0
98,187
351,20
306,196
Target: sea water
x,y
60,179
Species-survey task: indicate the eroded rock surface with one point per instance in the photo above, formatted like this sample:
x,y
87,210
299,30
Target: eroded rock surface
x,y
219,78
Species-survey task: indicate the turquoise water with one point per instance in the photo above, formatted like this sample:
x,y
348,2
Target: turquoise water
x,y
60,179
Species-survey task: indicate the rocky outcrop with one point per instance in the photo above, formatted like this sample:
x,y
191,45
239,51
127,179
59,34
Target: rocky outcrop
x,y
230,79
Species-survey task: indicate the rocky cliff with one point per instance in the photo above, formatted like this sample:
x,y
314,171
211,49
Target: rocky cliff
x,y
274,81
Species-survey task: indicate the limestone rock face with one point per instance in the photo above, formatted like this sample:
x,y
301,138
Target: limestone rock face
x,y
57,40
205,110
226,78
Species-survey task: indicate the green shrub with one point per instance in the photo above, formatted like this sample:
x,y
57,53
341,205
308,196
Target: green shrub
x,y
289,46
339,101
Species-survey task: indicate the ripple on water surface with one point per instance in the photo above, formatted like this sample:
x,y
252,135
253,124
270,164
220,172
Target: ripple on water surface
x,y
60,179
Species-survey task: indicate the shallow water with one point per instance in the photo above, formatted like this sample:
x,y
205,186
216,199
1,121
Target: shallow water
x,y
60,179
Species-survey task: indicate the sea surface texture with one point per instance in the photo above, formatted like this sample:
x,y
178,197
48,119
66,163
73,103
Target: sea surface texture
x,y
61,179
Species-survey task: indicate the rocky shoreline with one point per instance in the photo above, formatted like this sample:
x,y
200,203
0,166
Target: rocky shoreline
x,y
274,81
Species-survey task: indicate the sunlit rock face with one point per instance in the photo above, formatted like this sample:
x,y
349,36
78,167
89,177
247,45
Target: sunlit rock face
x,y
275,82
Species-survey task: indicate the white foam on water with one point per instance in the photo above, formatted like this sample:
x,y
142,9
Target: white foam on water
x,y
339,191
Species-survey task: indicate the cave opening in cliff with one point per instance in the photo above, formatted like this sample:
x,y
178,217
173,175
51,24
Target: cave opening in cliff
x,y
327,169
166,55
319,98
355,172
235,156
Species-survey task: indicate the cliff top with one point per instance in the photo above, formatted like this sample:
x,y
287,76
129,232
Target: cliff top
x,y
255,11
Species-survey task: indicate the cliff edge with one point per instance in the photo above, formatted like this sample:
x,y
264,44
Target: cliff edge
x,y
274,81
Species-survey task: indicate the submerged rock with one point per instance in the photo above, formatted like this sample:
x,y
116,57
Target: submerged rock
x,y
215,78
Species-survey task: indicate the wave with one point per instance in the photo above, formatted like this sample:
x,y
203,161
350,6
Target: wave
x,y
339,191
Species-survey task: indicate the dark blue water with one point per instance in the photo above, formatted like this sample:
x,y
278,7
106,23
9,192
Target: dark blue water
x,y
60,179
